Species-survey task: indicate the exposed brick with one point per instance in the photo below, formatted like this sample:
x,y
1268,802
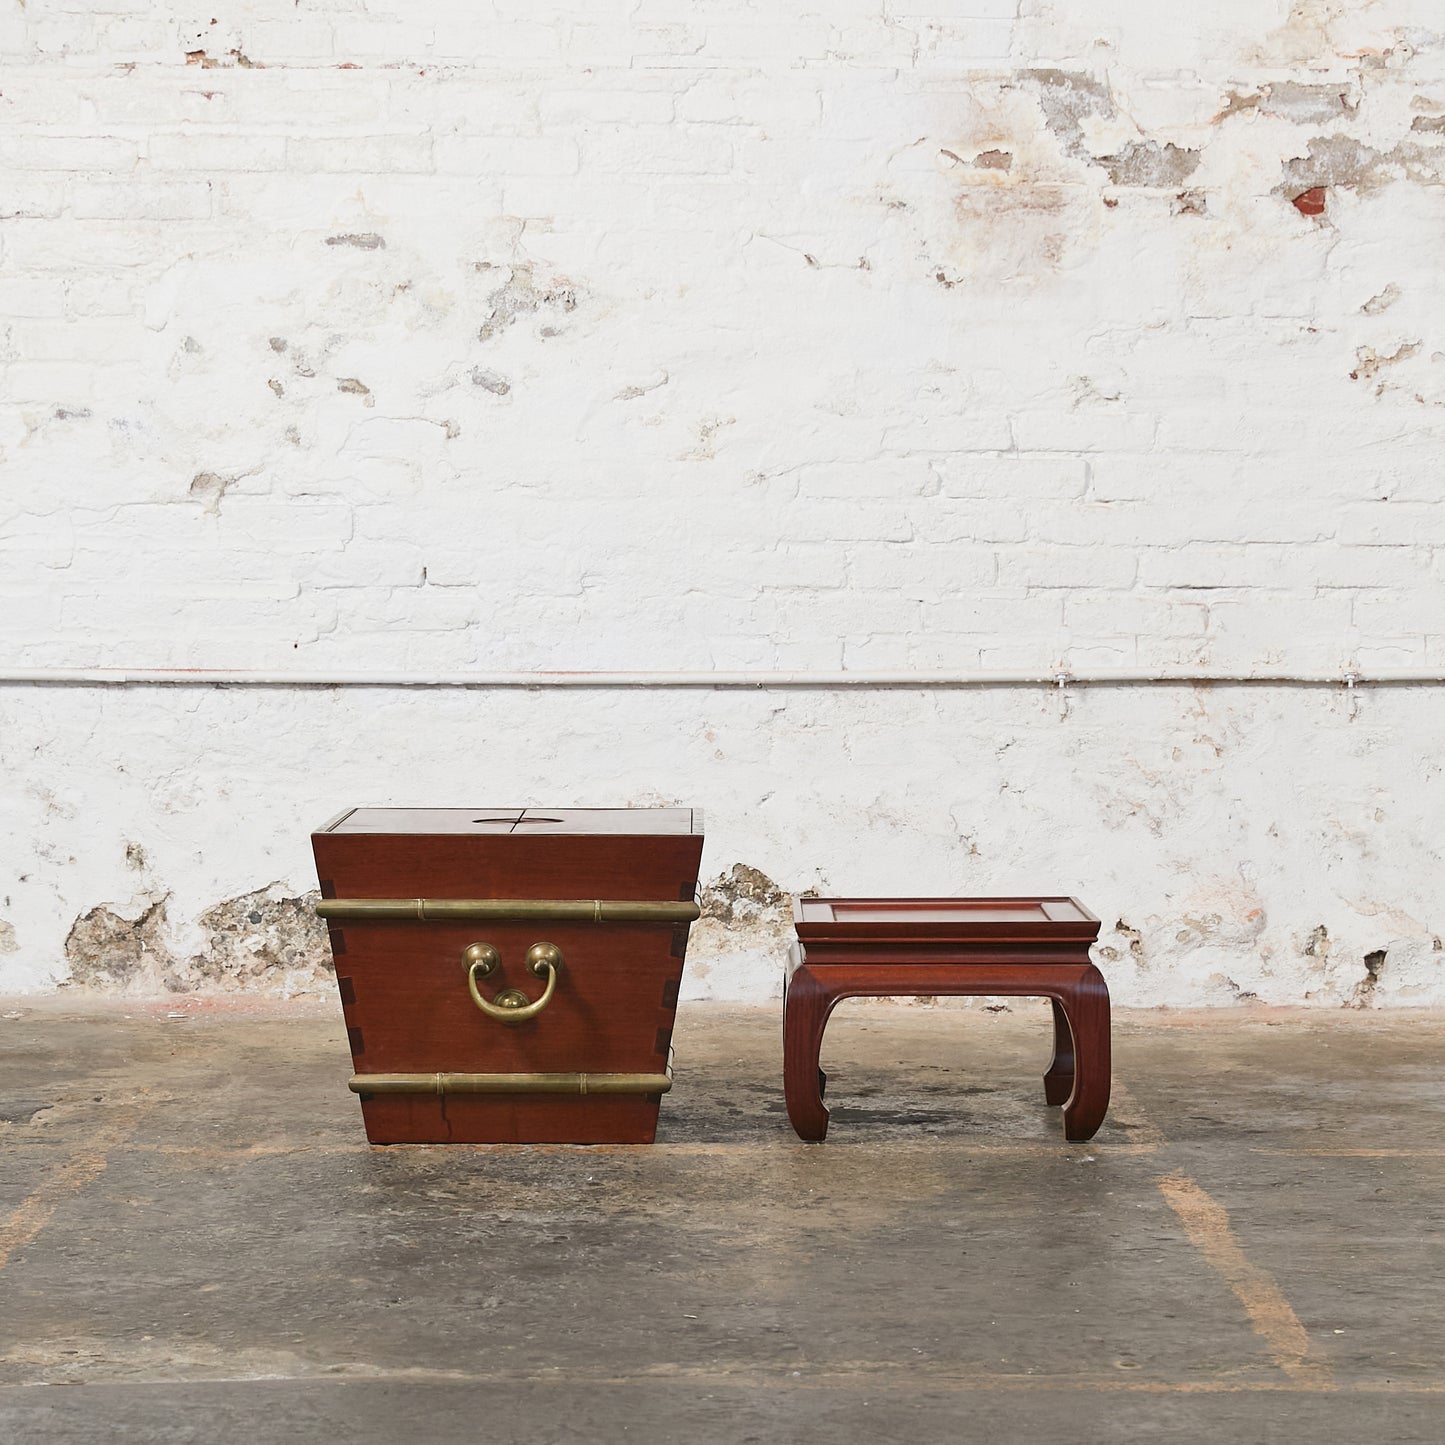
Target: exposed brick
x,y
37,152
477,155
107,201
195,152
1067,567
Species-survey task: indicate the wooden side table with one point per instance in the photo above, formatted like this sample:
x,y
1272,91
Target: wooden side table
x,y
887,947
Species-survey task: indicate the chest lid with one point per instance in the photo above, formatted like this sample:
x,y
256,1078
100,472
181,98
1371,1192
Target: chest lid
x,y
518,822
502,853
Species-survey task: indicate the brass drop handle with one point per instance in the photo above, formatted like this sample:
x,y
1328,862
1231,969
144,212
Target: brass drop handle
x,y
512,1006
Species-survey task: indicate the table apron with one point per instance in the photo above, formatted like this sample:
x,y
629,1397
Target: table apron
x,y
944,978
941,955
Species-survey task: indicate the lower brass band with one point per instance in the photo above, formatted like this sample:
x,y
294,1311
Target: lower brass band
x,y
510,1083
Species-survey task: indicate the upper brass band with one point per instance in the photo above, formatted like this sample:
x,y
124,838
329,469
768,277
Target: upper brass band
x,y
558,910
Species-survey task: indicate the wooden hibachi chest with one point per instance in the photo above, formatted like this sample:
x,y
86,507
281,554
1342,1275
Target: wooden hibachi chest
x,y
509,975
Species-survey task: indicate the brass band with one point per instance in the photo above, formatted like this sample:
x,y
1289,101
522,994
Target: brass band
x,y
510,1083
558,910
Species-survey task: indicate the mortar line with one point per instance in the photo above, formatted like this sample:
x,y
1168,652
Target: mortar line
x,y
714,679
881,1377
1351,1153
1206,1223
1040,1149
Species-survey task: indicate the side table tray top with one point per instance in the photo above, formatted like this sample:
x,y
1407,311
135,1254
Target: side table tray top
x,y
889,947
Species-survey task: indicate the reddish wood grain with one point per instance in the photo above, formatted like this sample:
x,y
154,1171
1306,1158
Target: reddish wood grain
x,y
403,984
507,865
935,947
973,920
409,984
510,1119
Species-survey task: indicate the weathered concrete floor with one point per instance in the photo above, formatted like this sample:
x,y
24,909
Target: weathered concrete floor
x,y
196,1244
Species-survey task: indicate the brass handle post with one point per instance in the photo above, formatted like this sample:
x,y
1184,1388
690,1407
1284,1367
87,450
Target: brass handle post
x,y
512,1006
483,958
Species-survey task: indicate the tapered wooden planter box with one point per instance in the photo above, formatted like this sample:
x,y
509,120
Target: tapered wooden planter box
x,y
509,975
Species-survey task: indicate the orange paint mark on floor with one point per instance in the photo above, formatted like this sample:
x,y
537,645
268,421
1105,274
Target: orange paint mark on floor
x,y
1206,1222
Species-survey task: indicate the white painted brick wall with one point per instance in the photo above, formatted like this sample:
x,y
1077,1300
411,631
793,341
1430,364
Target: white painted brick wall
x,y
933,334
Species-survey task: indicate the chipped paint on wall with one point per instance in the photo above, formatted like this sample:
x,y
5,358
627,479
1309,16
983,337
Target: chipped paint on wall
x,y
737,947
1231,861
263,942
107,950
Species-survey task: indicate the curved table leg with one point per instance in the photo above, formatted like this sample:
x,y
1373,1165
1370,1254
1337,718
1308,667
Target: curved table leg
x,y
1086,1005
805,1015
1059,1076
